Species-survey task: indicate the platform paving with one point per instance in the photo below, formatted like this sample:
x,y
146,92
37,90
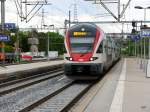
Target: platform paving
x,y
137,89
103,99
26,67
125,89
99,97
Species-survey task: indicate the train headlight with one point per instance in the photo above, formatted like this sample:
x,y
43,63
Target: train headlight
x,y
70,59
93,58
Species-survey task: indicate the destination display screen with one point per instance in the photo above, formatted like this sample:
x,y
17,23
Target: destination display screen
x,y
82,31
81,34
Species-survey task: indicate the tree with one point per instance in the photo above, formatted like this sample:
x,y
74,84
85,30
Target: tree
x,y
56,41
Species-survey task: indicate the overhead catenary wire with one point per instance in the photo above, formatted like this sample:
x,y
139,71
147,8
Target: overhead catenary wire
x,y
24,15
79,5
32,9
59,10
34,13
17,7
87,12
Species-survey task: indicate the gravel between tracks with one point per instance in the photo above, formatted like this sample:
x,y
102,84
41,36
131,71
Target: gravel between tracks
x,y
17,100
28,81
58,102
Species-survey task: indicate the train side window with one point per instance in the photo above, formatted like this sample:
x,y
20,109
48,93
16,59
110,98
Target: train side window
x,y
100,48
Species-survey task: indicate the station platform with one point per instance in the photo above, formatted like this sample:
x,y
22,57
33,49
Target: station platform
x,y
125,88
12,70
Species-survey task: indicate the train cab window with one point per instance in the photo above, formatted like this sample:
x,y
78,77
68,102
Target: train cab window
x,y
100,48
81,44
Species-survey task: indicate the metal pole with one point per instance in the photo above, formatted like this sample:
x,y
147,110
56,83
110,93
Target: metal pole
x,y
135,49
144,53
129,47
3,28
144,42
69,18
48,47
65,26
149,48
20,12
144,14
18,53
26,10
144,49
138,49
141,43
141,48
118,10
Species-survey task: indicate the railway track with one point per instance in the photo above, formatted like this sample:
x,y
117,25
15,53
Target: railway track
x,y
55,94
62,101
8,87
19,100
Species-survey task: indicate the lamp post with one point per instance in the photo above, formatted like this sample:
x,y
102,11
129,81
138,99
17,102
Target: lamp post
x,y
144,8
48,39
2,27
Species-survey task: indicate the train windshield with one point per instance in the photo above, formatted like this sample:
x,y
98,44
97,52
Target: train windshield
x,y
81,44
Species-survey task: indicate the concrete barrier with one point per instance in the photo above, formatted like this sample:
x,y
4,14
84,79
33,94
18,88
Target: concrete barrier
x,y
141,64
144,65
148,69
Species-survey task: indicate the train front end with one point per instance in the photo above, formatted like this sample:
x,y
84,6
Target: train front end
x,y
83,59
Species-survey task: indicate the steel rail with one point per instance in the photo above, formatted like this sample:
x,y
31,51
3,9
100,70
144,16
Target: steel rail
x,y
14,78
77,98
30,81
39,102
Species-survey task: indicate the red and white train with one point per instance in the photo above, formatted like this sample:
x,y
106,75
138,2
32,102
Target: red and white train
x,y
89,51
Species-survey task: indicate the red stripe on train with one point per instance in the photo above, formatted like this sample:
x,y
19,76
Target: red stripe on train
x,y
80,57
68,42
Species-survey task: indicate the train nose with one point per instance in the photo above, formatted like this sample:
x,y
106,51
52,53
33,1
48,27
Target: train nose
x,y
81,59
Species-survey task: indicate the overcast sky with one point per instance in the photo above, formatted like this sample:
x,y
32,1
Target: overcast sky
x,y
87,11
